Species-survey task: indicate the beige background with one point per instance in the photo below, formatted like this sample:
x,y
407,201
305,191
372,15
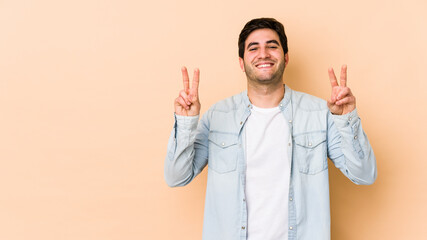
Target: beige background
x,y
86,107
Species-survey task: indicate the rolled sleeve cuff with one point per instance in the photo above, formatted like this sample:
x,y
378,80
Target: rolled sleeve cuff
x,y
186,123
346,120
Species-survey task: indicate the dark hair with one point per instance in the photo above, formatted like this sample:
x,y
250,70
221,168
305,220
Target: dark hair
x,y
260,23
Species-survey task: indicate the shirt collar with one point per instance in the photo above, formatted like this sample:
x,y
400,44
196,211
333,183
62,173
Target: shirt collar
x,y
245,109
282,105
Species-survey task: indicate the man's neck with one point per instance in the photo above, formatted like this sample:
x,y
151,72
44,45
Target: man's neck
x,y
266,96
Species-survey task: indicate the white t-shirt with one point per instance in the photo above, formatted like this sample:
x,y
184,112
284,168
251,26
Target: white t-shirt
x,y
267,174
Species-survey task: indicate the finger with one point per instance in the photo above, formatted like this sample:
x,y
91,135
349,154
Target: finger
x,y
333,98
195,84
185,79
343,76
185,97
344,92
332,77
333,107
346,100
181,102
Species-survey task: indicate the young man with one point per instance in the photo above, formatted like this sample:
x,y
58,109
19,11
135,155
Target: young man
x,y
267,147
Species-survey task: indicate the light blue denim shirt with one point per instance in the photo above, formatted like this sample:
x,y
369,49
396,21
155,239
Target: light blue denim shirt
x,y
315,134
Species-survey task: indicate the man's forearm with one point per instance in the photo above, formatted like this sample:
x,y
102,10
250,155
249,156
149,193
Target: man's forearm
x,y
349,148
180,166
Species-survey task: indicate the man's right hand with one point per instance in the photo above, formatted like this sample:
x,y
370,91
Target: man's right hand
x,y
187,103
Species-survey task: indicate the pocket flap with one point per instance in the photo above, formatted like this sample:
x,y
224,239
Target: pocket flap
x,y
310,140
223,139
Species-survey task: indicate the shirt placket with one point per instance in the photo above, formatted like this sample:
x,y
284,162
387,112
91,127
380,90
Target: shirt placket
x,y
242,161
292,226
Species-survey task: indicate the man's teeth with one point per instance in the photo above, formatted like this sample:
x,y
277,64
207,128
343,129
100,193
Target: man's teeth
x,y
264,65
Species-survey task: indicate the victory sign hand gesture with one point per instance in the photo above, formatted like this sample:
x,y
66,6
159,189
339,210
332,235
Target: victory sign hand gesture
x,y
187,103
342,100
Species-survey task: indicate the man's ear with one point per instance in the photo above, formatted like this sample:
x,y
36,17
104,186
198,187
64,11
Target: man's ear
x,y
242,64
286,59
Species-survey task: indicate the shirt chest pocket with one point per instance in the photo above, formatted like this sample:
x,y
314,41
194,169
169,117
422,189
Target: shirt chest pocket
x,y
310,152
223,152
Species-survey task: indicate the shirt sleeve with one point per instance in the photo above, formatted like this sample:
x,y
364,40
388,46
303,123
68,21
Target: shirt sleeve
x,y
349,148
187,150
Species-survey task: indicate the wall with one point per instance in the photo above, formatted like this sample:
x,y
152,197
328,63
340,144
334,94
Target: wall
x,y
86,107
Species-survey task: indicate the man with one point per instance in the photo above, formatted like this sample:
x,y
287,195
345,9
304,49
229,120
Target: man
x,y
267,147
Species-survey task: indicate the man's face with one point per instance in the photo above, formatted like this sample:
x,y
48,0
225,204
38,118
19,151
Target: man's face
x,y
263,61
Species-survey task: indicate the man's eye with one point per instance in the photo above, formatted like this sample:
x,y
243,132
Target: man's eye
x,y
252,49
273,47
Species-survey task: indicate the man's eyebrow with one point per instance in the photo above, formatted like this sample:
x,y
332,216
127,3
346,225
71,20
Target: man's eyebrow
x,y
251,44
273,41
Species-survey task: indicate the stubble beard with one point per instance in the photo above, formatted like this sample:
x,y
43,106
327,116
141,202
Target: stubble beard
x,y
274,79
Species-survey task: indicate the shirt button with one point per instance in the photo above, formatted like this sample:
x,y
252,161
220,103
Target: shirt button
x,y
309,144
244,199
291,228
243,228
281,105
290,121
222,144
355,137
290,199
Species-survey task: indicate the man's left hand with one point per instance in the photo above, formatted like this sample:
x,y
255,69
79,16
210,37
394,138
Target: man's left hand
x,y
342,100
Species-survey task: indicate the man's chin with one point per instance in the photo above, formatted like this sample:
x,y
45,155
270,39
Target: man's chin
x,y
266,79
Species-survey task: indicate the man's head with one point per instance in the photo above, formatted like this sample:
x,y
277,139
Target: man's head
x,y
260,23
263,51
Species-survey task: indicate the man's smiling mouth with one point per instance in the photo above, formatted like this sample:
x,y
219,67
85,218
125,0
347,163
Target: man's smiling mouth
x,y
264,65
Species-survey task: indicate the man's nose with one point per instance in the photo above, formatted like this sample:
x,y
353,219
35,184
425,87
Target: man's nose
x,y
264,53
